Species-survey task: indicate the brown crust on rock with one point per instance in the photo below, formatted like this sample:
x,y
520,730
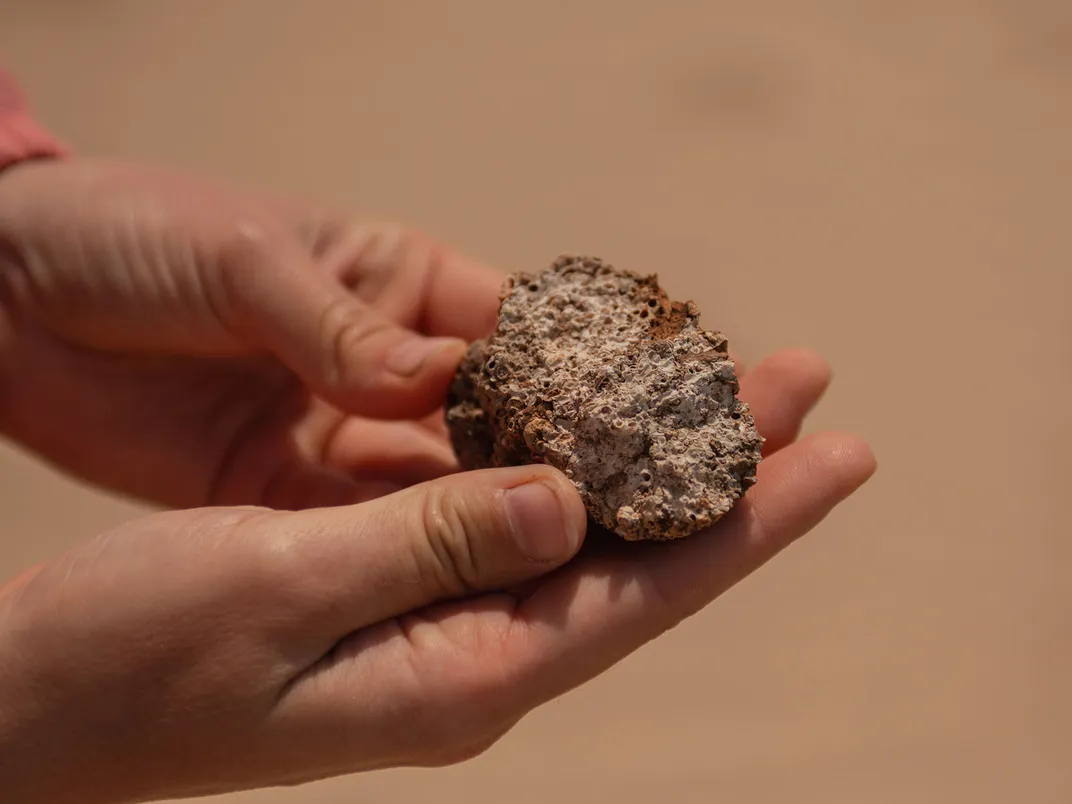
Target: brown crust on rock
x,y
595,371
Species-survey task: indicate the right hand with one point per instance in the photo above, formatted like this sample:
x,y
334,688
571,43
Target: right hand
x,y
213,649
197,652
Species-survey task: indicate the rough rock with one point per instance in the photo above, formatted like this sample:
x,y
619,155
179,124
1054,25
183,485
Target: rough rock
x,y
594,371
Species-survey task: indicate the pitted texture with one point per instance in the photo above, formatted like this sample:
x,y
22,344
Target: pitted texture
x,y
594,371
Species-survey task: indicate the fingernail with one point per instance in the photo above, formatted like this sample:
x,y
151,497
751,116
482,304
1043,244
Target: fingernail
x,y
539,524
407,357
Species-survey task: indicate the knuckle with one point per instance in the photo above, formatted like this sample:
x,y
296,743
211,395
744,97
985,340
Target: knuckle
x,y
320,230
346,332
447,558
396,250
387,243
391,244
208,529
246,240
269,554
245,249
242,256
287,561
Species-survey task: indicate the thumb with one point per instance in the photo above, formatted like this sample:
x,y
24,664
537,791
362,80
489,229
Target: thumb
x,y
342,349
453,537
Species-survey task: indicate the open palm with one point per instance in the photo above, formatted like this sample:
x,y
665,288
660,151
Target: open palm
x,y
476,664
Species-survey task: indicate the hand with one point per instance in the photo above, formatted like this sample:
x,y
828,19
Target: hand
x,y
168,338
220,649
195,345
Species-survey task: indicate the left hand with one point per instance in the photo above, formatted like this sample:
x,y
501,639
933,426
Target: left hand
x,y
191,344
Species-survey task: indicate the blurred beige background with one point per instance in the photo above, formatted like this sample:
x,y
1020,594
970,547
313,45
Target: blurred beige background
x,y
889,181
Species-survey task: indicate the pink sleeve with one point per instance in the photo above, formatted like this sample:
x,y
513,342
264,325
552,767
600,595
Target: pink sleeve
x,y
21,137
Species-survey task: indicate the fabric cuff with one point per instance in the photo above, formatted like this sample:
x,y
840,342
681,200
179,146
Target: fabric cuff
x,y
22,138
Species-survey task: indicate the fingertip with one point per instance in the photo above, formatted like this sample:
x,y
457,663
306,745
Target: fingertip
x,y
538,515
819,368
409,380
464,296
850,455
574,513
832,463
559,495
415,391
782,390
811,370
565,491
845,450
416,355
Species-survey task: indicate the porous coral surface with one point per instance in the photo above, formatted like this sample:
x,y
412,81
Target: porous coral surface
x,y
593,370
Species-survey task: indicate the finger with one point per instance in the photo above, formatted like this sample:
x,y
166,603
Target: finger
x,y
343,349
781,391
436,423
600,609
461,535
478,664
462,298
416,280
404,453
302,486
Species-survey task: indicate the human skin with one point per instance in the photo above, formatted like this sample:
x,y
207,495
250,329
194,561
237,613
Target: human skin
x,y
330,595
